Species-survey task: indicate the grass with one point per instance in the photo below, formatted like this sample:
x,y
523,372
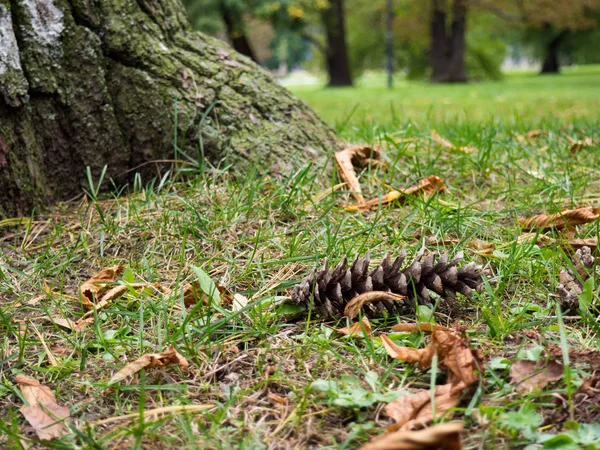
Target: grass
x,y
520,96
258,235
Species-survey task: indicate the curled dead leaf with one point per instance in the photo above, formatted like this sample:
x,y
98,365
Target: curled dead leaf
x,y
42,412
445,436
109,296
482,248
568,218
169,356
415,410
426,186
435,136
359,329
355,305
350,157
374,202
92,288
453,351
535,375
193,293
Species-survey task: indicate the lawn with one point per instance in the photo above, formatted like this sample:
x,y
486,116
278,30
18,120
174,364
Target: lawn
x,y
265,374
519,97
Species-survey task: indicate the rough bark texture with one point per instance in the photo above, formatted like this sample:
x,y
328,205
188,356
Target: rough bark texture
x,y
551,62
338,66
100,82
447,49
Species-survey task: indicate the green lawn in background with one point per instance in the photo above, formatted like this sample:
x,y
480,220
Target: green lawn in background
x,y
519,97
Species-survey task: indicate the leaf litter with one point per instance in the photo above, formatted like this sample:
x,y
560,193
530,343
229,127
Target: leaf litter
x,y
41,410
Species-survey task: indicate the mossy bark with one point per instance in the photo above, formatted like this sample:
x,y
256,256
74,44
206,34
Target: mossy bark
x,y
112,82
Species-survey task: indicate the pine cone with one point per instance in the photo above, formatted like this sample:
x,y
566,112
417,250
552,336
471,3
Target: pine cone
x,y
331,290
571,282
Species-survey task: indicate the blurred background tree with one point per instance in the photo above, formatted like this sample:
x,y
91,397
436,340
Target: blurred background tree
x,y
440,40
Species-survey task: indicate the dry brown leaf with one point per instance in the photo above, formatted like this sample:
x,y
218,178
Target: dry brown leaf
x,y
543,240
535,375
529,135
442,141
576,244
482,248
445,436
92,288
453,351
567,218
109,296
64,322
415,410
357,329
418,327
374,202
150,360
580,144
42,412
278,398
355,305
61,351
354,156
426,186
420,356
192,293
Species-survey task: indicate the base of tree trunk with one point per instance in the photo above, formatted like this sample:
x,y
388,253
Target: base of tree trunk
x,y
121,83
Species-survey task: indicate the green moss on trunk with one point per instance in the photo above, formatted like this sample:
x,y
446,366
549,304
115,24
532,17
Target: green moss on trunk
x,y
97,84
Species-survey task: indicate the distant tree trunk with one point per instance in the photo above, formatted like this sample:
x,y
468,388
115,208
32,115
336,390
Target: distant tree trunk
x,y
87,83
235,31
447,48
439,42
551,62
336,55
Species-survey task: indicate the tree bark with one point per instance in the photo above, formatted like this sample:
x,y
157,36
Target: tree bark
x,y
447,47
116,83
551,62
235,32
439,42
338,66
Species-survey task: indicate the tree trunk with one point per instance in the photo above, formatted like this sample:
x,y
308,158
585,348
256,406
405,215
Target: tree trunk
x,y
235,31
338,66
551,62
439,42
456,62
114,83
447,49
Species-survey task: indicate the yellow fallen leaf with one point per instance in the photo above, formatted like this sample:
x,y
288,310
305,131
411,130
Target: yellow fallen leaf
x,y
42,412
